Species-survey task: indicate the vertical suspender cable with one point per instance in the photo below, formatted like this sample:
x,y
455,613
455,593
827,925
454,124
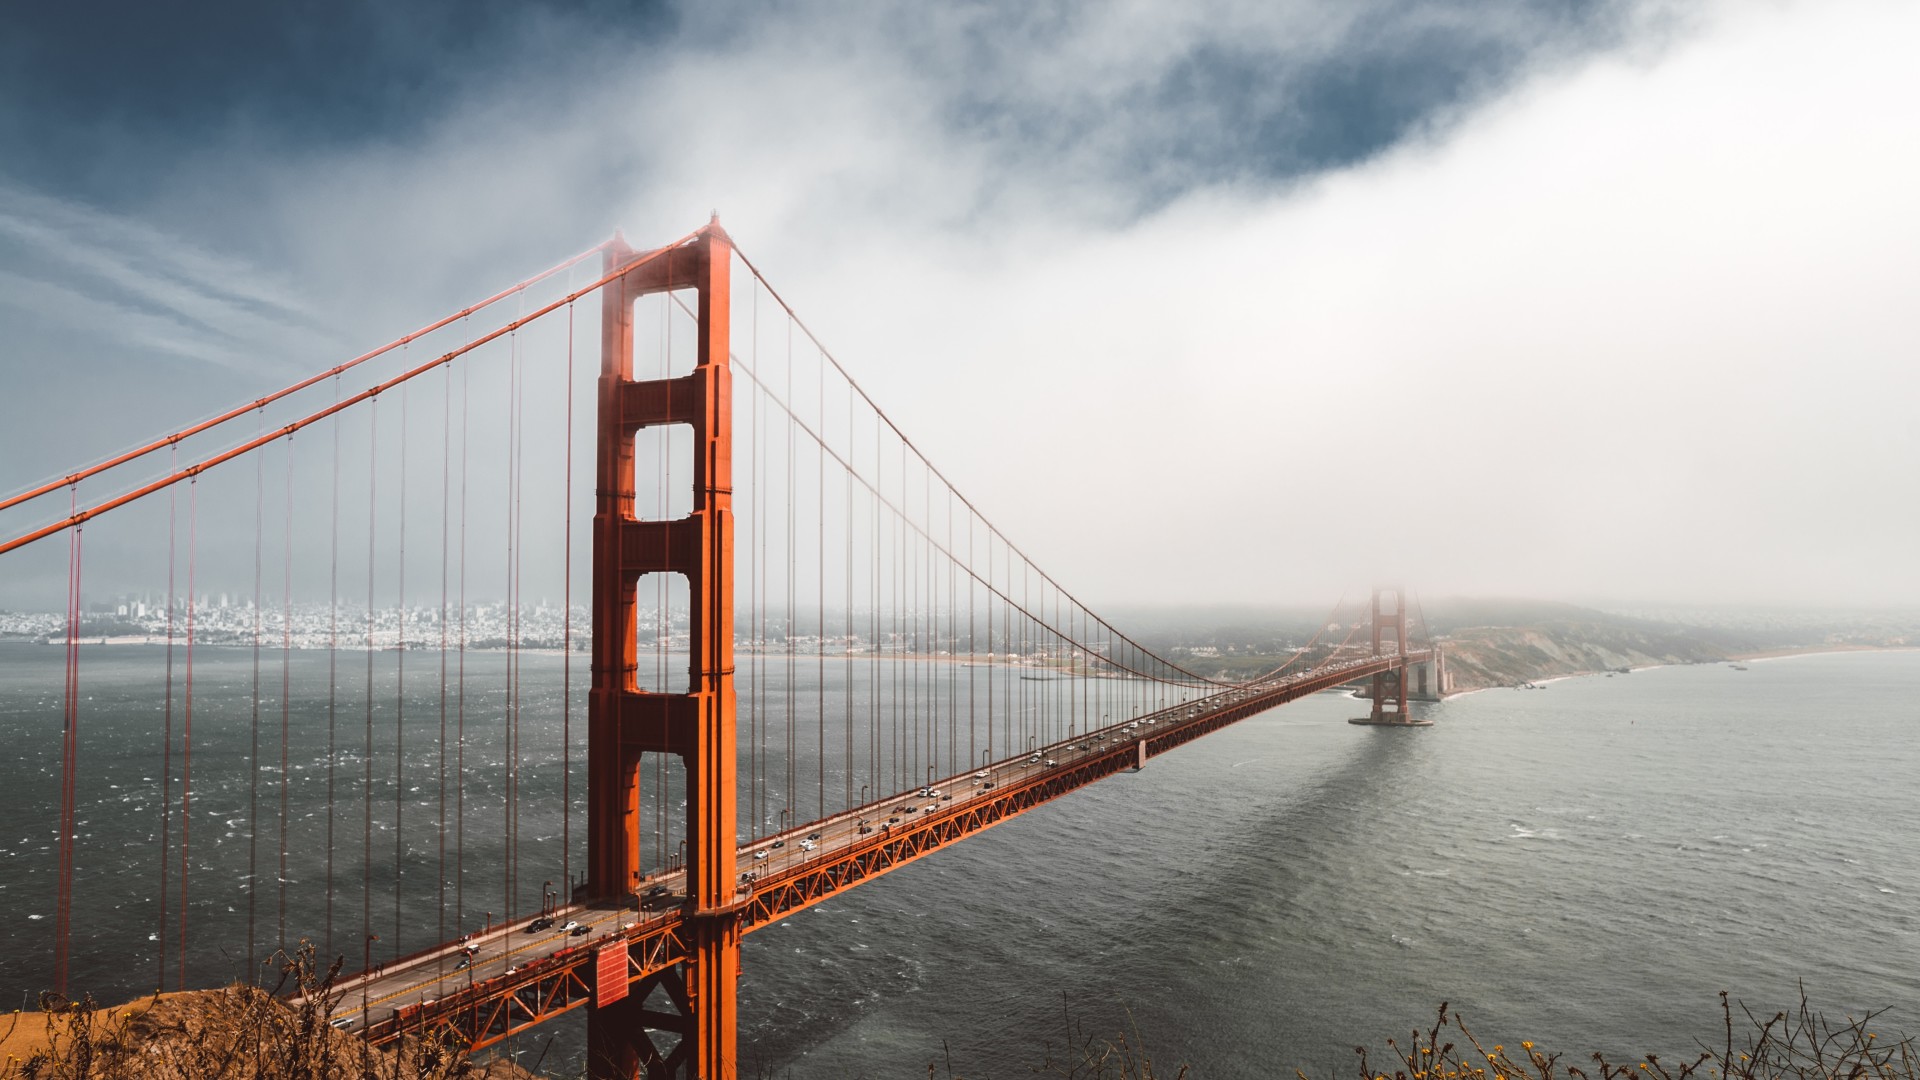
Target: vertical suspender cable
x,y
953,686
286,699
507,729
846,615
63,889
253,755
440,817
186,735
566,641
756,557
820,587
333,665
366,782
400,681
874,754
515,655
787,621
166,745
460,694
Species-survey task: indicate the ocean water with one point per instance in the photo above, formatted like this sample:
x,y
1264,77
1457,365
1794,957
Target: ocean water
x,y
1584,865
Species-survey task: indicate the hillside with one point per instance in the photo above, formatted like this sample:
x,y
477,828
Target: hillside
x,y
232,1033
1508,642
1483,656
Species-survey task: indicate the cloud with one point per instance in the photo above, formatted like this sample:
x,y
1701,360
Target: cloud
x,y
1602,308
93,272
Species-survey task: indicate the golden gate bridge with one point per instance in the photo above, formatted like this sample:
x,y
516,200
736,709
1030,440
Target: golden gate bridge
x,y
810,660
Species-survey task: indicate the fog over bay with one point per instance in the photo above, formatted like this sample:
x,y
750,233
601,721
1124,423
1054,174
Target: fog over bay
x,y
1200,303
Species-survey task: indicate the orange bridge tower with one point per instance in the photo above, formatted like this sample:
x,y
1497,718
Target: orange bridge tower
x,y
624,1033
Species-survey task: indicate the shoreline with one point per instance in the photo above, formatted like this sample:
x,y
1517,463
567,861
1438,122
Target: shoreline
x,y
1783,653
1819,650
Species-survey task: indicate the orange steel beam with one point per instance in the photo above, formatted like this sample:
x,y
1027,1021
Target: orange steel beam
x,y
657,946
625,723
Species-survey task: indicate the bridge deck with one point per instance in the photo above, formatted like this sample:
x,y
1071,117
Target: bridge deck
x,y
518,978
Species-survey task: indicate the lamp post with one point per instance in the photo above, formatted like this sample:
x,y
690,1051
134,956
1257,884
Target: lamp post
x,y
547,897
863,793
366,976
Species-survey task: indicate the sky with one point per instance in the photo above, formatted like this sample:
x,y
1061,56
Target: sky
x,y
1601,302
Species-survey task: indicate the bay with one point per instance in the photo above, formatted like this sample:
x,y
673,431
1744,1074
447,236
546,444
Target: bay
x,y
1584,865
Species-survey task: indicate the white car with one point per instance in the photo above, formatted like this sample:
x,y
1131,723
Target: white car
x,y
570,927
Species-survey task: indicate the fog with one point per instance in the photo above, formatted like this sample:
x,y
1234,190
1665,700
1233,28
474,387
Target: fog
x,y
1619,316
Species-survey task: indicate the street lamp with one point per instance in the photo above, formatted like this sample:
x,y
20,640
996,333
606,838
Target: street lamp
x,y
546,897
863,794
366,976
983,758
929,776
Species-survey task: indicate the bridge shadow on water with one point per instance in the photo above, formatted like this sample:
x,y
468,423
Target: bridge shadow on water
x,y
1217,866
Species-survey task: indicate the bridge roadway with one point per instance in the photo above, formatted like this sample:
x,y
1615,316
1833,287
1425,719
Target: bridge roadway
x,y
517,977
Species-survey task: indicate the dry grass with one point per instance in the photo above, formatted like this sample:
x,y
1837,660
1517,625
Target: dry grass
x,y
233,1033
1796,1044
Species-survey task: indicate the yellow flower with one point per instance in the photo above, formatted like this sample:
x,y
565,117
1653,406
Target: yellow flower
x,y
1527,1045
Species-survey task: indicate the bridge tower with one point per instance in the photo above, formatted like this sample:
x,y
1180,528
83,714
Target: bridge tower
x,y
1391,624
698,726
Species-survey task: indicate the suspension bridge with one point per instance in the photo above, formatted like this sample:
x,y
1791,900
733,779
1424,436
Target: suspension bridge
x,y
807,660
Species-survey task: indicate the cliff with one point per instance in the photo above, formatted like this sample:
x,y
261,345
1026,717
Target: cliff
x,y
1483,656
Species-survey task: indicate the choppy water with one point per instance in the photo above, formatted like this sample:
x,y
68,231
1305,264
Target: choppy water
x,y
1584,865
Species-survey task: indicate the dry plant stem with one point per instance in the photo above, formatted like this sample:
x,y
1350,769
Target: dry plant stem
x,y
1800,1044
237,1033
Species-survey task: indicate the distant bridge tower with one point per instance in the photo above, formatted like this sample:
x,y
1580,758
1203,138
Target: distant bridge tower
x,y
1391,624
624,1032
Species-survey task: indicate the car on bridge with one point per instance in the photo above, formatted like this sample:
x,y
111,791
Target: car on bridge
x,y
544,922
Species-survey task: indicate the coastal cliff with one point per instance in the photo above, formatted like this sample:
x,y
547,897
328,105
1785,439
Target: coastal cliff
x,y
1484,656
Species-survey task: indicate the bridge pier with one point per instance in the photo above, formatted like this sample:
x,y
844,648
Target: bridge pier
x,y
698,726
